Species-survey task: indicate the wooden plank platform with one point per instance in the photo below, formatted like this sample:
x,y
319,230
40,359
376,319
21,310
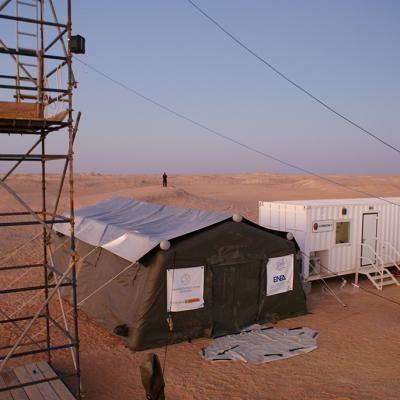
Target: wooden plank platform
x,y
10,109
52,390
22,118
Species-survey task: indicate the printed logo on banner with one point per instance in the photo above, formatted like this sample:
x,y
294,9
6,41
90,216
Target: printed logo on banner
x,y
281,264
185,280
280,274
185,289
322,226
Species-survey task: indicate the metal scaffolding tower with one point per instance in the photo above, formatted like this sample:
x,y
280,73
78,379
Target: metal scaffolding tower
x,y
36,93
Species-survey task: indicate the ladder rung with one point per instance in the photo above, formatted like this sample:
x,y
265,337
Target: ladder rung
x,y
27,34
28,65
26,4
26,96
27,79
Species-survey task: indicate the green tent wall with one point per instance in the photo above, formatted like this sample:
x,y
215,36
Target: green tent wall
x,y
234,255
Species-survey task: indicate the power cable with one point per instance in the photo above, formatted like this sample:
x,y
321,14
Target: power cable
x,y
378,295
230,139
331,291
293,83
359,286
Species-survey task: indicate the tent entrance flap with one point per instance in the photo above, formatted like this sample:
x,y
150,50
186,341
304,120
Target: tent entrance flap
x,y
236,294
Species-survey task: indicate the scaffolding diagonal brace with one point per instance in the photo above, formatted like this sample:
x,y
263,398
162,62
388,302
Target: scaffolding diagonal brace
x,y
36,71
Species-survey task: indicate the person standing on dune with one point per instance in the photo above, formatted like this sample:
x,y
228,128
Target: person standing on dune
x,y
165,180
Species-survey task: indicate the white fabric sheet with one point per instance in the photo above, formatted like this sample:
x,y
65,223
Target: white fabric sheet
x,y
280,274
185,288
130,228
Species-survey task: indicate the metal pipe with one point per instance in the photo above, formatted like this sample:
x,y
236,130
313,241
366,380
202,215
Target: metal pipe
x,y
23,266
28,53
20,161
32,88
56,39
32,352
31,20
33,288
36,316
27,223
16,61
71,135
60,188
5,3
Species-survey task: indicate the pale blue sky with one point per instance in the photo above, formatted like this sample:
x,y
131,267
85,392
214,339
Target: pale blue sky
x,y
345,52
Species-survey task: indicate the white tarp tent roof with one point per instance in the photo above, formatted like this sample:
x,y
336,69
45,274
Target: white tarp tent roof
x,y
131,228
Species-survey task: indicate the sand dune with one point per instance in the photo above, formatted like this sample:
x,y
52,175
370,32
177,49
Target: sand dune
x,y
358,347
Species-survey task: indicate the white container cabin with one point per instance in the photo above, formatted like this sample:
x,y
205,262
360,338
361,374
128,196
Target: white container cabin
x,y
341,236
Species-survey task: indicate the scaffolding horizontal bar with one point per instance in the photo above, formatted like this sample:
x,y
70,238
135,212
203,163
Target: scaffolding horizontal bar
x,y
20,213
27,64
31,129
32,288
28,223
38,351
14,77
22,266
32,157
14,214
29,53
27,266
13,320
32,21
27,34
24,344
33,88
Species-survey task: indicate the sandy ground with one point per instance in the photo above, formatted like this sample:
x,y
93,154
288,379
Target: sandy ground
x,y
359,345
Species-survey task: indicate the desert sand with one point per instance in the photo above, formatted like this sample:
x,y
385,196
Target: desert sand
x,y
359,345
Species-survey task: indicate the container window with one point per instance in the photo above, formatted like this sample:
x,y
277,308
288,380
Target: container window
x,y
342,232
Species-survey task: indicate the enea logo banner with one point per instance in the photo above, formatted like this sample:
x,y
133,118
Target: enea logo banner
x,y
280,274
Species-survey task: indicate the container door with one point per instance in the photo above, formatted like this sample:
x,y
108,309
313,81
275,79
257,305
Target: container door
x,y
236,291
369,237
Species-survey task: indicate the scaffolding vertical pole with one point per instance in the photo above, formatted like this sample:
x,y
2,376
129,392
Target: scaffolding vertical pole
x,y
36,84
71,135
18,76
40,79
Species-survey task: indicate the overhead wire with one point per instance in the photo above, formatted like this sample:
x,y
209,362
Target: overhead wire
x,y
228,138
292,82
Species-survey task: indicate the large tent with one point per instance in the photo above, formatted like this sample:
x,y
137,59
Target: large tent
x,y
193,273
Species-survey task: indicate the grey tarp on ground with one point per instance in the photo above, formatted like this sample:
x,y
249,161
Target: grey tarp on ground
x,y
258,345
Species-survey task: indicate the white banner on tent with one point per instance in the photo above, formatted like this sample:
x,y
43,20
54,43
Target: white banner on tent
x,y
280,274
185,288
